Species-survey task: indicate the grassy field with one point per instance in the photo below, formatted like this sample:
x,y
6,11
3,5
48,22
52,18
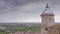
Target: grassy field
x,y
3,33
18,28
24,28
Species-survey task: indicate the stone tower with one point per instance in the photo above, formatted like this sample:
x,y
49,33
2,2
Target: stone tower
x,y
47,20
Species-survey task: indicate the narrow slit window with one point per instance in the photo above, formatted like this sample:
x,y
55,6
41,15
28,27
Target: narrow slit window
x,y
46,29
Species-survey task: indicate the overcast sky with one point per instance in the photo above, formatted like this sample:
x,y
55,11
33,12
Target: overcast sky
x,y
27,10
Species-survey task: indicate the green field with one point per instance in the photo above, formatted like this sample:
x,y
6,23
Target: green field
x,y
3,33
18,28
24,28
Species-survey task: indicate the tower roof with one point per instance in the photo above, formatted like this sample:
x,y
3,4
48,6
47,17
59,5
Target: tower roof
x,y
47,11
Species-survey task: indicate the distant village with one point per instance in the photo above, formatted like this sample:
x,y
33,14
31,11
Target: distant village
x,y
25,32
20,28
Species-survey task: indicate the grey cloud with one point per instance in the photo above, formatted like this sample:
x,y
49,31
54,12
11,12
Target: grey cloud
x,y
13,10
22,2
9,3
19,2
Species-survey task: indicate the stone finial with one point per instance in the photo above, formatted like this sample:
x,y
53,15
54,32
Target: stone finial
x,y
47,6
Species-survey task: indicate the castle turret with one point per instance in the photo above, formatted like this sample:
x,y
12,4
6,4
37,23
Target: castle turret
x,y
47,20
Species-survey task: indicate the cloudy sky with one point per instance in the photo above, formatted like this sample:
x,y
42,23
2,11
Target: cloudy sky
x,y
27,10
